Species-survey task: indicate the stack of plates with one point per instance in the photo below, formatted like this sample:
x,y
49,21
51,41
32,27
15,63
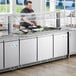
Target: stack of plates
x,y
32,28
24,30
37,29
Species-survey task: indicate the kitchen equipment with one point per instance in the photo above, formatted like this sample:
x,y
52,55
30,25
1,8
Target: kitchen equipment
x,y
24,30
37,29
51,28
11,54
1,55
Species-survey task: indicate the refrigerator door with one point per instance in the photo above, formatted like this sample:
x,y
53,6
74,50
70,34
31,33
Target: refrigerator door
x,y
1,55
45,48
27,51
60,45
11,54
72,42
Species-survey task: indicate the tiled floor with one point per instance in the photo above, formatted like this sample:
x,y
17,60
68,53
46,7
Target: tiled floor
x,y
66,67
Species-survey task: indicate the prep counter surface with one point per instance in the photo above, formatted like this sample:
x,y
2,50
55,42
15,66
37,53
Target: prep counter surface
x,y
21,35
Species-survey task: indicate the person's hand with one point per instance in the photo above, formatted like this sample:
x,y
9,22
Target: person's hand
x,y
35,23
32,24
1,25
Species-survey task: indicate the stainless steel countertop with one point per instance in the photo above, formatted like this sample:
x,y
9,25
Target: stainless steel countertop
x,y
13,37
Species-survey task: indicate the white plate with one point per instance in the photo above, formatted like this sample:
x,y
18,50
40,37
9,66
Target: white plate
x,y
38,29
24,30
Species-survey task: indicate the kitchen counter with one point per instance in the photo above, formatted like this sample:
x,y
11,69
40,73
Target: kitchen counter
x,y
16,48
22,35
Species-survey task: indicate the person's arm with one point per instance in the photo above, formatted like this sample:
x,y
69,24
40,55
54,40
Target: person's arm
x,y
26,20
35,23
34,18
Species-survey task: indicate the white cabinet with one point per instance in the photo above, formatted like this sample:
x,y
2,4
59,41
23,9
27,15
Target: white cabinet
x,y
1,55
11,54
72,42
45,48
60,45
27,51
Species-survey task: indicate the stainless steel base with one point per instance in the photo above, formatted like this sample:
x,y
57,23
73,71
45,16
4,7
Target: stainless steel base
x,y
31,64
